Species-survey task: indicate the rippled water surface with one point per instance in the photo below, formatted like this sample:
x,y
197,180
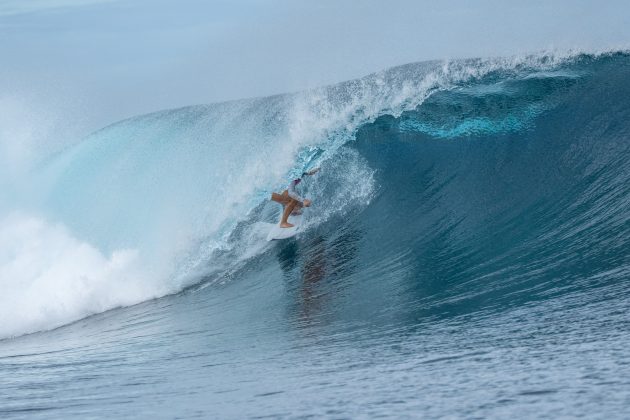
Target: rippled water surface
x,y
466,257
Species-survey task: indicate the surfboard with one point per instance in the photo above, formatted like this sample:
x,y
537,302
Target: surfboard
x,y
277,232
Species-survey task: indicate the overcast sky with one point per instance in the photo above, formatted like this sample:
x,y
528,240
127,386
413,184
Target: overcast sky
x,y
104,60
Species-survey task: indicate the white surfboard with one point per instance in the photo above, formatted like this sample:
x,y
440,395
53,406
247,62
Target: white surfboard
x,y
277,232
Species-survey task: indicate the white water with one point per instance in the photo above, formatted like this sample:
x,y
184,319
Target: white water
x,y
137,209
50,277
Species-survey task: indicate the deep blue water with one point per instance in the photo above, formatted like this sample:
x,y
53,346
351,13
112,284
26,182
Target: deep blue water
x,y
467,254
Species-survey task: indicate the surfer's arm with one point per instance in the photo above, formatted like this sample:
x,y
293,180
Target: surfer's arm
x,y
293,194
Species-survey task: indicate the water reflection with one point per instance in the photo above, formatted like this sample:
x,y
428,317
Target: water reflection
x,y
313,269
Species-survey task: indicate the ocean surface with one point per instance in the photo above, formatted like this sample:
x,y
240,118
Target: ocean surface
x,y
467,254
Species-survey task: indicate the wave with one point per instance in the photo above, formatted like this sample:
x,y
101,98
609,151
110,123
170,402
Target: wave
x,y
156,203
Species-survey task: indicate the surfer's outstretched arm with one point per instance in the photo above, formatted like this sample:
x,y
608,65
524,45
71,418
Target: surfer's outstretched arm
x,y
312,172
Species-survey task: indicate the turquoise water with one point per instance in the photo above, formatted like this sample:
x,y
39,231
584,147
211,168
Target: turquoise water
x,y
467,254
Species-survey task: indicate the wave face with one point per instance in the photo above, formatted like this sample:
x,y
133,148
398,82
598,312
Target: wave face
x,y
505,190
470,221
476,169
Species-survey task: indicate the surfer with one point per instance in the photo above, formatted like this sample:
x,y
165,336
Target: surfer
x,y
291,200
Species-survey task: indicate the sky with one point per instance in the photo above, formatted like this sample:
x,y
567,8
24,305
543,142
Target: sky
x,y
91,63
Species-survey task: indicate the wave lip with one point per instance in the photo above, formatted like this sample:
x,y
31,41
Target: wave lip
x,y
156,203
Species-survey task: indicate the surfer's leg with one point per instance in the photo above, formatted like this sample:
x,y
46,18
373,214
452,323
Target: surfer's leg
x,y
285,215
282,199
